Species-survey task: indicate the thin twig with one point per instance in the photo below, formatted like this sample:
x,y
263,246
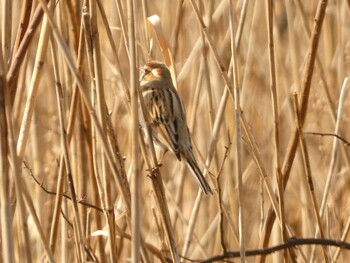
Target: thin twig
x,y
293,242
325,134
41,184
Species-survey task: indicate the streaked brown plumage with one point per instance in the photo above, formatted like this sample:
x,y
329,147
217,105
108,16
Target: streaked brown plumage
x,y
167,116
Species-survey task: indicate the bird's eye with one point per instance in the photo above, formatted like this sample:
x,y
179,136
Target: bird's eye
x,y
143,72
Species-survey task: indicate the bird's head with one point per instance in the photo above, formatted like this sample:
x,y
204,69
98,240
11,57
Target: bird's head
x,y
154,71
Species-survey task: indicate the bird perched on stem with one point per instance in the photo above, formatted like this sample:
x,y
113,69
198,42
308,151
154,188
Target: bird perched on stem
x,y
166,116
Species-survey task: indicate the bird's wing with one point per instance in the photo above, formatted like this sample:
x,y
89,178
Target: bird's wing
x,y
162,137
165,124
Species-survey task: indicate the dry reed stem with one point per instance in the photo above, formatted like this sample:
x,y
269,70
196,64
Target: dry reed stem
x,y
204,73
221,207
216,127
154,23
264,176
206,238
178,21
191,223
241,24
90,42
211,47
196,46
6,37
270,250
276,129
122,24
210,152
18,57
157,184
85,97
67,161
342,97
153,168
114,49
106,147
6,211
154,250
251,44
136,175
238,139
23,189
20,187
21,213
61,174
343,237
34,86
209,227
293,42
102,115
306,161
306,85
23,25
322,75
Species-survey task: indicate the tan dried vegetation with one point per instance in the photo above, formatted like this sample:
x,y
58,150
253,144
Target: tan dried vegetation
x,y
266,95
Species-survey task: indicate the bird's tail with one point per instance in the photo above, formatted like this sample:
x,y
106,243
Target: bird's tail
x,y
192,163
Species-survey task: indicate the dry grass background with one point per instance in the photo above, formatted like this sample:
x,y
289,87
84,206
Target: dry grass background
x,y
64,147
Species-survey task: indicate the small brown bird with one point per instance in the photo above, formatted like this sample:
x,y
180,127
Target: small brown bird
x,y
167,116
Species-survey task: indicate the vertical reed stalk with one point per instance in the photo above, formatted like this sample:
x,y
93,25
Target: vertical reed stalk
x,y
102,115
6,211
238,141
136,180
306,85
275,112
6,28
34,85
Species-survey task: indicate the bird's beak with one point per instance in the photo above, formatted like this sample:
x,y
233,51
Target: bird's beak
x,y
142,73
